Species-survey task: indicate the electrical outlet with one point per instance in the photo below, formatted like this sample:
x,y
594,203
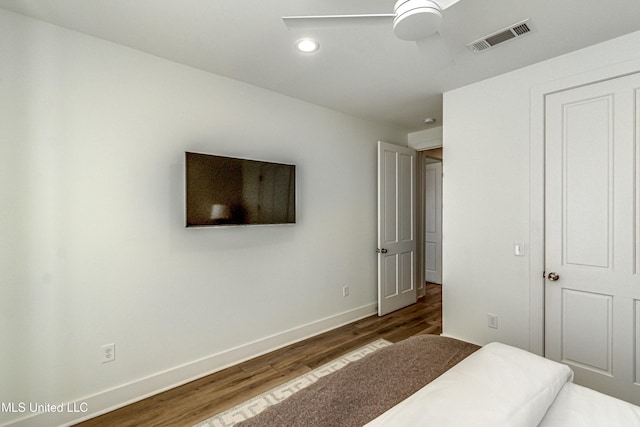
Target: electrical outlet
x,y
345,291
108,353
492,321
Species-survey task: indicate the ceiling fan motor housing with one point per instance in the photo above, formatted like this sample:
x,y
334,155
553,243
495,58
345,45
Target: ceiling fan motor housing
x,y
416,19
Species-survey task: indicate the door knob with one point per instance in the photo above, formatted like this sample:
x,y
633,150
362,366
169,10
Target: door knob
x,y
382,251
553,277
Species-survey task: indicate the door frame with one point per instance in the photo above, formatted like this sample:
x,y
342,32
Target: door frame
x,y
421,213
537,189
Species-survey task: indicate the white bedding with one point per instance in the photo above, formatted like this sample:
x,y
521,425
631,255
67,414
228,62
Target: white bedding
x,y
501,385
581,406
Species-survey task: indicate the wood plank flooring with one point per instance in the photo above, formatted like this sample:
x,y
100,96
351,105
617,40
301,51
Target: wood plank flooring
x,y
198,400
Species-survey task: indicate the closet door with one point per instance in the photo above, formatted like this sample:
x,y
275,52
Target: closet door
x,y
592,281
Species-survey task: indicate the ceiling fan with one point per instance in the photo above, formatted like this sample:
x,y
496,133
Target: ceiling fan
x,y
413,20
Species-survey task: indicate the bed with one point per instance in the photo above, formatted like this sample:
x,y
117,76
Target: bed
x,y
501,385
464,385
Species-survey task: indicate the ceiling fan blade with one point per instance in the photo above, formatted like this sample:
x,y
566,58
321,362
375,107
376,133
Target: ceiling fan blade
x,y
436,52
328,21
444,4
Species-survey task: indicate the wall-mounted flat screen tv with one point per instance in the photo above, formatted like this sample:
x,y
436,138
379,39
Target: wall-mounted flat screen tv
x,y
231,191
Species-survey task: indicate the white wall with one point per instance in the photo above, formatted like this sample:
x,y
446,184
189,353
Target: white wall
x,y
491,138
426,139
94,250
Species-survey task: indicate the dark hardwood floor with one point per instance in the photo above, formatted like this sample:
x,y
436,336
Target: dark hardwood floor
x,y
198,400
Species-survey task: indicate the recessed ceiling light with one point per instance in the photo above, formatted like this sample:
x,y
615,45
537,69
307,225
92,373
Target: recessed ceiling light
x,y
307,45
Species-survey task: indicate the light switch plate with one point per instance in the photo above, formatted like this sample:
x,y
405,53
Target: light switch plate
x,y
492,321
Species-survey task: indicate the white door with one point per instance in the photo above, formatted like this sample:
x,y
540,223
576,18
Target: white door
x,y
396,228
433,222
592,257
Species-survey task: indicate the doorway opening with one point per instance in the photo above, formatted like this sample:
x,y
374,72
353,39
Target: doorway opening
x,y
430,166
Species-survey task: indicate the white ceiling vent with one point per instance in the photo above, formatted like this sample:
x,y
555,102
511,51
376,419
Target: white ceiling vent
x,y
516,30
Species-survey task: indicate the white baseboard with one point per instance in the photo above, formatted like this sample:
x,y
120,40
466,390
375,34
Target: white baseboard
x,y
125,394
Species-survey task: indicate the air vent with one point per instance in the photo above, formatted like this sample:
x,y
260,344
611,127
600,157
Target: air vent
x,y
516,30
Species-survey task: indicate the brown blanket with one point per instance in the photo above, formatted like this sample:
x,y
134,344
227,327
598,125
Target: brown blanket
x,y
362,390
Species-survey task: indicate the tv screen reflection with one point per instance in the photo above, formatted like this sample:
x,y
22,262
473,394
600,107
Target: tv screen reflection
x,y
231,191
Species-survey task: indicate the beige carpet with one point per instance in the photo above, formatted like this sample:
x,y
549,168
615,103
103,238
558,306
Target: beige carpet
x,y
259,403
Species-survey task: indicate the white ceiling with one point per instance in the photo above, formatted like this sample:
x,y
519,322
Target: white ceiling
x,y
363,71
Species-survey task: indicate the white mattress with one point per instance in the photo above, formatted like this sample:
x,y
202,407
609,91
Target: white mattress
x,y
501,385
